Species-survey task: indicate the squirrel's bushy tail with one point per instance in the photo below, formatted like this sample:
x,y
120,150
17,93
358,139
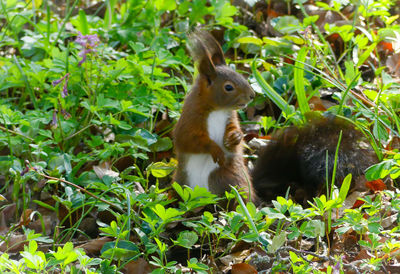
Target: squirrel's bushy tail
x,y
297,159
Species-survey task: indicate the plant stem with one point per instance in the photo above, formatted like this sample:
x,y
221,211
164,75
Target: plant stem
x,y
16,133
78,187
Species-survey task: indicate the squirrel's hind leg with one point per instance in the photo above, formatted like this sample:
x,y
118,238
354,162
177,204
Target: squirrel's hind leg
x,y
237,174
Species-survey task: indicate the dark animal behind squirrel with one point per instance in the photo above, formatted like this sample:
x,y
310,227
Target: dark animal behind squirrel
x,y
297,159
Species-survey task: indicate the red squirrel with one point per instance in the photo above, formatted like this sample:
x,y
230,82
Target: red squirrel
x,y
207,138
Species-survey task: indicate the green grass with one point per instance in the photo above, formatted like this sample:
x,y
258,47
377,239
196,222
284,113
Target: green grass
x,y
86,149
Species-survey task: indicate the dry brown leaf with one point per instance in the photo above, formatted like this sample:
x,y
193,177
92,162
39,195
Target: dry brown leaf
x,y
393,63
362,255
49,224
377,185
389,221
385,46
140,266
14,243
394,268
337,43
26,217
94,246
243,268
316,103
350,240
240,246
104,169
394,143
235,258
6,215
357,204
109,136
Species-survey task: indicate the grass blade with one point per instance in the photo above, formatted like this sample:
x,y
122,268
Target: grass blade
x,y
287,109
299,81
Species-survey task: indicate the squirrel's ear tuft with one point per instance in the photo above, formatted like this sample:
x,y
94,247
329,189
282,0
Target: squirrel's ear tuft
x,y
214,48
206,50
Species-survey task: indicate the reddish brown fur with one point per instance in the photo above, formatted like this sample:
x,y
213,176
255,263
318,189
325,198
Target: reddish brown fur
x,y
209,94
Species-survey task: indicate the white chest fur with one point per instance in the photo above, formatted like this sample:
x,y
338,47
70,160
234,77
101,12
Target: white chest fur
x,y
216,124
199,166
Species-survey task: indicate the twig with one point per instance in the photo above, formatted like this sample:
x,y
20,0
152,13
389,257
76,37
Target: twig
x,y
195,218
321,257
16,133
78,187
78,132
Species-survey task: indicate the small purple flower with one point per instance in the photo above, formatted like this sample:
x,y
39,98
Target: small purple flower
x,y
336,268
88,44
64,92
307,32
56,82
54,121
26,170
82,61
65,114
87,40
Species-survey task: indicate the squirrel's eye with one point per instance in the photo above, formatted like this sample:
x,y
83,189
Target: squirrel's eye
x,y
228,87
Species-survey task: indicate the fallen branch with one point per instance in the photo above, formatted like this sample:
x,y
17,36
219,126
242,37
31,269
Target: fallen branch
x,y
76,186
324,258
15,133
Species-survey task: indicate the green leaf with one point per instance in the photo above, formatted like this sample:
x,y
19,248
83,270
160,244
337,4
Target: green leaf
x,y
165,4
223,12
142,134
109,14
129,107
344,189
272,42
162,144
160,169
318,226
379,170
277,241
351,73
44,205
119,250
380,131
250,40
187,239
286,24
181,191
366,54
374,227
195,265
310,19
66,254
83,24
166,214
67,163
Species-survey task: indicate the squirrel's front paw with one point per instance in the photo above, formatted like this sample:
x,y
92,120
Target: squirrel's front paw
x,y
233,138
218,156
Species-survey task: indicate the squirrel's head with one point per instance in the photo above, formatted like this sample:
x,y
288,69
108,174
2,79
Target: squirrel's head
x,y
224,87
